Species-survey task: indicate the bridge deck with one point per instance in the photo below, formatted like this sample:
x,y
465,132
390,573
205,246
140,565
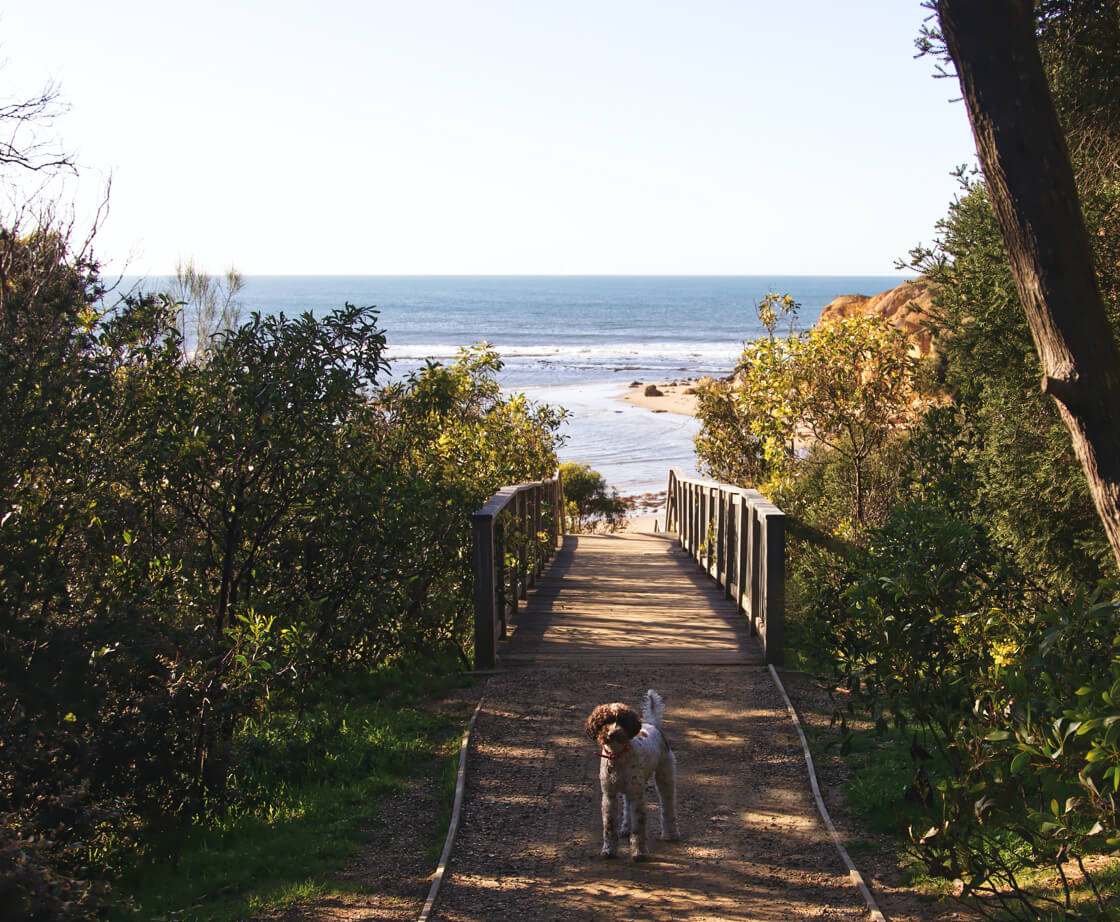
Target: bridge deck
x,y
625,599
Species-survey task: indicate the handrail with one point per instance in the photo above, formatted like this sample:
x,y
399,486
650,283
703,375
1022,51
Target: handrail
x,y
514,534
738,537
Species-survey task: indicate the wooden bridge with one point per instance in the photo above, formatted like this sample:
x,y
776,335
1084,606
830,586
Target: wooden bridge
x,y
694,612
646,582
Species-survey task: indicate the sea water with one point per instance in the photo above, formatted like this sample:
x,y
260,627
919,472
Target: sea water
x,y
576,342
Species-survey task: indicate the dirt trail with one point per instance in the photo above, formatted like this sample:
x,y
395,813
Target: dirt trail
x,y
614,616
752,845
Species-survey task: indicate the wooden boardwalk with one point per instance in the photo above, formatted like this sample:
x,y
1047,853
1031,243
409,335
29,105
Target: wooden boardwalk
x,y
625,599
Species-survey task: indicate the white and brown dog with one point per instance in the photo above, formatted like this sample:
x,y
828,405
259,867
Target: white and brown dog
x,y
633,748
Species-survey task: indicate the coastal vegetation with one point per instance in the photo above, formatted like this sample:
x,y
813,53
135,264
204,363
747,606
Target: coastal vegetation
x,y
950,571
198,548
590,502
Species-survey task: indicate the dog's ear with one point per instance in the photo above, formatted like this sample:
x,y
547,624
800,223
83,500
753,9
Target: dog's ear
x,y
629,720
599,718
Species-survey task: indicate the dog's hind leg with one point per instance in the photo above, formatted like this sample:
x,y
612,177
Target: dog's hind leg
x,y
638,815
610,825
665,778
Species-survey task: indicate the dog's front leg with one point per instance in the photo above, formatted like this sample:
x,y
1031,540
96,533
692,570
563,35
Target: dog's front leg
x,y
624,811
637,811
610,825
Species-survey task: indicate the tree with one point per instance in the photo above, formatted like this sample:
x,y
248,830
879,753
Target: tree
x,y
207,306
1012,460
852,386
727,446
842,389
1027,167
590,499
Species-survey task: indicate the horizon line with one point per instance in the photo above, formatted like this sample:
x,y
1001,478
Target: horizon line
x,y
571,275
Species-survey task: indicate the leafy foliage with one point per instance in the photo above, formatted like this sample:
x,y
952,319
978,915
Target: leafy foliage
x,y
840,390
187,544
1014,721
590,500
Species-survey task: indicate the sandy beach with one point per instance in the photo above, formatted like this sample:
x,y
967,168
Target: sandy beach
x,y
670,397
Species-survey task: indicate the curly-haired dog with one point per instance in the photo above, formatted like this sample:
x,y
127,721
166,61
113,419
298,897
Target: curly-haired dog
x,y
632,748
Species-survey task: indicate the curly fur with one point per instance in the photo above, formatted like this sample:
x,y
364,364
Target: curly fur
x,y
632,750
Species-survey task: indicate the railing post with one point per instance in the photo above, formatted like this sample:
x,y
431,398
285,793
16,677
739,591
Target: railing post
x,y
501,576
719,533
485,601
744,554
522,512
774,591
690,513
669,501
697,516
711,535
756,557
561,511
730,555
538,551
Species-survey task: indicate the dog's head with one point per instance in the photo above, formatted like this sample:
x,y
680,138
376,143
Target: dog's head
x,y
612,726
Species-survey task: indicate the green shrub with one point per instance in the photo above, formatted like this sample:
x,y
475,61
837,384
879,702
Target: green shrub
x,y
590,501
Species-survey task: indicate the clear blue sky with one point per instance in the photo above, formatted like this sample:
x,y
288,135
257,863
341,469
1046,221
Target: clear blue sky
x,y
429,136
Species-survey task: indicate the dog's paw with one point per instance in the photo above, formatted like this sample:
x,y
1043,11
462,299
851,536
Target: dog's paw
x,y
639,856
607,853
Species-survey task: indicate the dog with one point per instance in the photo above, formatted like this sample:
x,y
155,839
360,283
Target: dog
x,y
631,749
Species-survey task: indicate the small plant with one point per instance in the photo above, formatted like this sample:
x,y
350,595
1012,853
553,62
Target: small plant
x,y
590,501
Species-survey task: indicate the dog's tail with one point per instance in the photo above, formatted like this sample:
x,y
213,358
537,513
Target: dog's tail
x,y
653,708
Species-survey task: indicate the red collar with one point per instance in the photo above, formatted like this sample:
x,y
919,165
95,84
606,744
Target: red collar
x,y
605,754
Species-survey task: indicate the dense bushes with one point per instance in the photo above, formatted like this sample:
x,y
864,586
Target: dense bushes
x,y
185,543
1012,706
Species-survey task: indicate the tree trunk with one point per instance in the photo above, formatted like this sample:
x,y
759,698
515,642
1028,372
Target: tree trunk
x,y
1031,183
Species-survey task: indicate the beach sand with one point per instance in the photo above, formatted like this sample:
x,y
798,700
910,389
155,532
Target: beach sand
x,y
645,523
675,397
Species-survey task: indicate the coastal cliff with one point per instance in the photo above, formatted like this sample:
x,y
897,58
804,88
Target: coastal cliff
x,y
907,307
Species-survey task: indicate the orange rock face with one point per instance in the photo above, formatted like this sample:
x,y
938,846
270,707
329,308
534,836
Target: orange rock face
x,y
907,307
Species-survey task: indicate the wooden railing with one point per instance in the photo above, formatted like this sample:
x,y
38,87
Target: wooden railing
x,y
738,537
515,534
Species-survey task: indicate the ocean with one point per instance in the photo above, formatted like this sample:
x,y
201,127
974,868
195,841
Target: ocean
x,y
577,342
